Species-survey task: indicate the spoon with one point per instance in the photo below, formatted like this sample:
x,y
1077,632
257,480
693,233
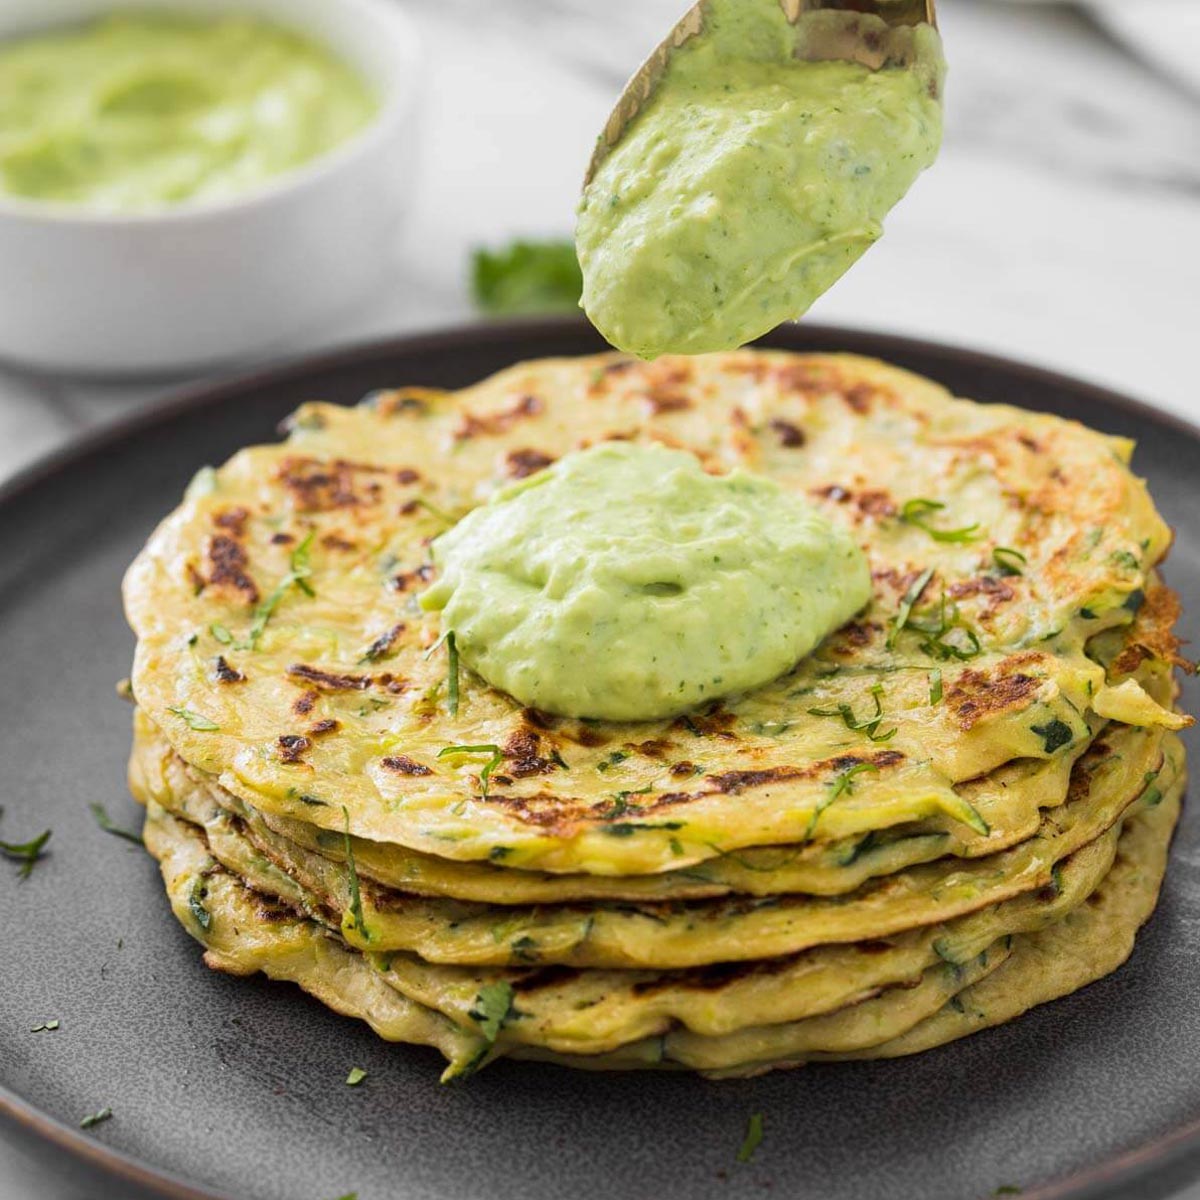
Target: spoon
x,y
875,33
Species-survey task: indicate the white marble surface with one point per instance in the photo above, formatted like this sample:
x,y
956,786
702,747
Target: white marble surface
x,y
1062,224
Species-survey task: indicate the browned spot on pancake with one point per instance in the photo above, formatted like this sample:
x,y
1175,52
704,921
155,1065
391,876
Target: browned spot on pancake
x,y
406,402
227,567
406,476
405,579
857,634
403,765
539,719
334,541
234,520
321,728
380,647
585,735
652,748
523,463
870,502
304,703
1029,442
316,486
976,695
684,768
521,751
665,400
493,424
860,397
282,539
328,681
982,585
790,436
225,673
292,746
735,782
1152,636
714,722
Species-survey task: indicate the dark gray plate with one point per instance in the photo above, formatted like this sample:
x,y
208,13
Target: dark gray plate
x,y
236,1086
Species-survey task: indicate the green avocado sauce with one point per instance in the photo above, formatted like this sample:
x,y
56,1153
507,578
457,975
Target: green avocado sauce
x,y
749,183
138,111
626,583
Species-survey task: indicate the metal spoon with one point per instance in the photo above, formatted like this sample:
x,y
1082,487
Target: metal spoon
x,y
876,33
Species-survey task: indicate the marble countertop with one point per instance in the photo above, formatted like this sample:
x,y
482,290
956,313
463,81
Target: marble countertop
x,y
1060,226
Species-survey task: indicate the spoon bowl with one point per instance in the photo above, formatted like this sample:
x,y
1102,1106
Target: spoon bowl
x,y
875,33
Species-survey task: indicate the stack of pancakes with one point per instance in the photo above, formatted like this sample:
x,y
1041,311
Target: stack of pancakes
x,y
957,807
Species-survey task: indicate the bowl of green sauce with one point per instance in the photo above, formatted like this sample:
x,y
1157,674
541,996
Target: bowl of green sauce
x,y
184,182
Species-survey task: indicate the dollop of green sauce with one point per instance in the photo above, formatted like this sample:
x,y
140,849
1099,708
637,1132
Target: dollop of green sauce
x,y
748,184
139,110
628,584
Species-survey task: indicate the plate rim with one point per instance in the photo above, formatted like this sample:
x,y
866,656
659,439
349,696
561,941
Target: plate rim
x,y
1137,1165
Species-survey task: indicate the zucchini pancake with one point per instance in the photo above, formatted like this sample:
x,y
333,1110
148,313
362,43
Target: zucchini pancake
x,y
829,716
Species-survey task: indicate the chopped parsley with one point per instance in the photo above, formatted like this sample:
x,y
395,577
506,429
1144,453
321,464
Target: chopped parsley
x,y
26,853
105,822
904,612
527,277
196,898
612,760
356,908
45,1027
451,669
918,512
1009,561
485,774
753,1138
356,1076
493,1006
841,785
1054,734
298,576
194,720
95,1118
868,725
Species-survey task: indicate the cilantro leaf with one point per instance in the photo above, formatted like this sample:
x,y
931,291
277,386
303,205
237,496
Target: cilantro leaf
x,y
493,1006
527,277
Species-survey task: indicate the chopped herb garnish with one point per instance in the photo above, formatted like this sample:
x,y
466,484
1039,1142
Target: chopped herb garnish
x,y
1009,561
26,853
221,634
557,759
45,1027
451,668
297,576
843,784
1055,734
356,908
935,686
485,775
95,1118
105,823
493,1006
527,277
868,725
1126,559
434,511
196,898
194,720
753,1138
614,759
524,948
356,1076
918,512
906,604
939,625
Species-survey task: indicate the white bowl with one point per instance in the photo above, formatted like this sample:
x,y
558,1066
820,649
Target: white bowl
x,y
201,283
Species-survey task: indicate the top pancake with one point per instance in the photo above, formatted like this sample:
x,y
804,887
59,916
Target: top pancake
x,y
281,648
